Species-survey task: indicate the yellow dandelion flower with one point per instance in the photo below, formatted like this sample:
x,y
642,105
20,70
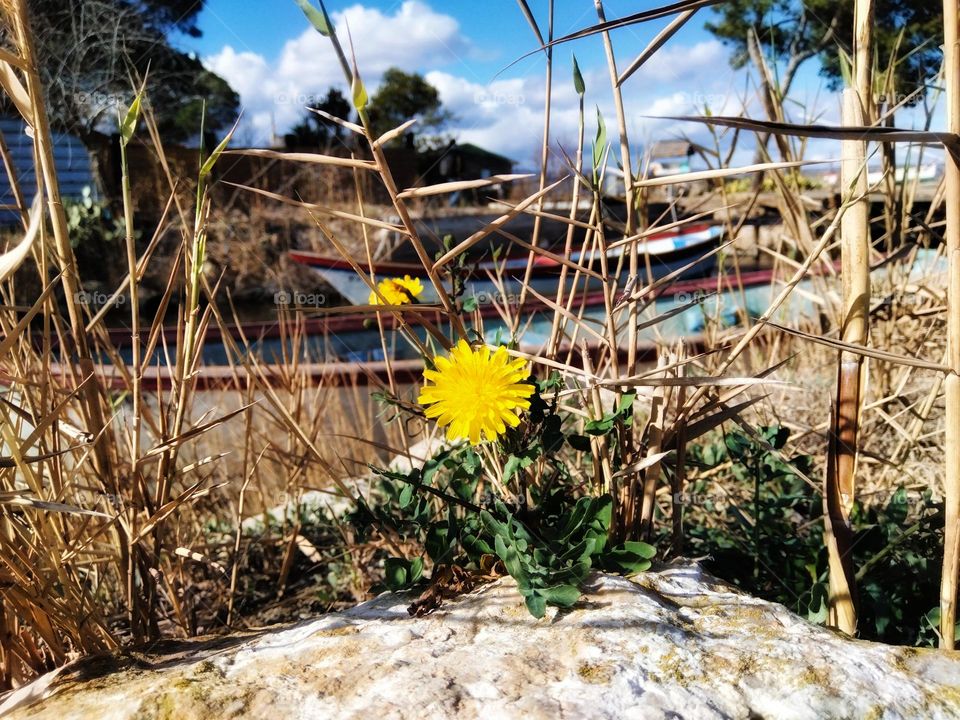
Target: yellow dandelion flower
x,y
413,286
477,393
397,291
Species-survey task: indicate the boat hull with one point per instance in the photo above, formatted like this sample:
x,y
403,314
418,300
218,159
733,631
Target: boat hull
x,y
349,345
502,281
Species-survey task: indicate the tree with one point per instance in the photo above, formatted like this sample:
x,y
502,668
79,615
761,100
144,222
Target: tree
x,y
402,96
192,97
314,131
92,51
794,31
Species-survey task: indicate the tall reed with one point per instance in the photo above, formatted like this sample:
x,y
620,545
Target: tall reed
x,y
148,506
951,553
840,480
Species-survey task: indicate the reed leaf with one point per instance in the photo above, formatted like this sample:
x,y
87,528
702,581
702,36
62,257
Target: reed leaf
x,y
458,185
827,132
302,157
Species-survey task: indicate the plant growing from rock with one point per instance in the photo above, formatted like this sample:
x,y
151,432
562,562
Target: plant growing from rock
x,y
472,504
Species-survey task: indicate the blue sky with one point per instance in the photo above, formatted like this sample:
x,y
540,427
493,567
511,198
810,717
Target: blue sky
x,y
278,64
497,27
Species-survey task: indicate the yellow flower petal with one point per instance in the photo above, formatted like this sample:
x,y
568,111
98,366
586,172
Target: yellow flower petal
x,y
476,394
397,291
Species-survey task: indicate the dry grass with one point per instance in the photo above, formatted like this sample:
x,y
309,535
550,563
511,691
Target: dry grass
x,y
125,513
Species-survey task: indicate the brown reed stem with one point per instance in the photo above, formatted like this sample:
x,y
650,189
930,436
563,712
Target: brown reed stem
x,y
840,482
951,550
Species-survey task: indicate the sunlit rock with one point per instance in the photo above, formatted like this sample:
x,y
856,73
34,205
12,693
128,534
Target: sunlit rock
x,y
668,644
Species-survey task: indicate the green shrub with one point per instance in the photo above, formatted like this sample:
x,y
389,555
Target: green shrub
x,y
781,557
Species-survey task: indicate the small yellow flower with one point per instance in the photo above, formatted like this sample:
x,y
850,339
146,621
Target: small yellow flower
x,y
397,291
476,392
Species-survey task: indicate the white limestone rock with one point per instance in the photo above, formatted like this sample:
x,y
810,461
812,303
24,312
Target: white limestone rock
x,y
670,644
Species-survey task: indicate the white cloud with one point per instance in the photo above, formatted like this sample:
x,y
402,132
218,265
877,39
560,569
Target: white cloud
x,y
274,93
507,115
504,115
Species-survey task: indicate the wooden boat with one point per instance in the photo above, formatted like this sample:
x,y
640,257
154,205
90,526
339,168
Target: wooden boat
x,y
350,344
668,252
348,347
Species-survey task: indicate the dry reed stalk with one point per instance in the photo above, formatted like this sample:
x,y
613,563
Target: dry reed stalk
x,y
598,444
680,466
14,182
653,442
127,128
625,496
840,482
38,120
628,188
322,24
555,329
951,550
544,148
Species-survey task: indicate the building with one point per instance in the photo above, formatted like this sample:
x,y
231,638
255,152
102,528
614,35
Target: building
x,y
69,154
463,162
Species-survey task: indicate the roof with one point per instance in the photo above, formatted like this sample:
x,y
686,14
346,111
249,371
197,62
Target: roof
x,y
70,157
671,148
476,151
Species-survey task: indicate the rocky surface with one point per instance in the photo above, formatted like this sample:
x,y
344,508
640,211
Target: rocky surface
x,y
670,644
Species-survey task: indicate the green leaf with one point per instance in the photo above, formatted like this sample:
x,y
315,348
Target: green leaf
x,y
554,381
416,570
933,619
536,604
515,463
207,166
626,403
475,545
359,93
560,595
317,18
129,123
600,143
580,552
406,496
600,427
494,526
470,303
470,461
511,560
641,549
578,78
437,543
626,563
818,616
434,464
552,435
396,573
846,67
